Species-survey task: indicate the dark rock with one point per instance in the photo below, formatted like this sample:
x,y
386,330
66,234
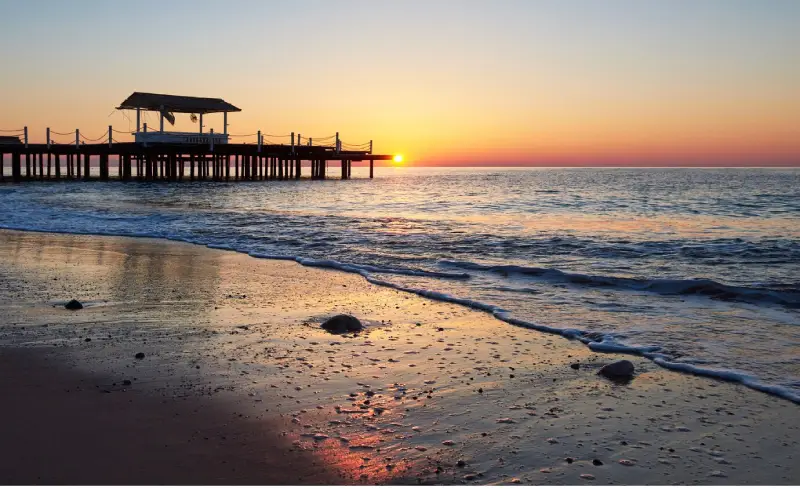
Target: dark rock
x,y
617,370
342,323
87,339
126,382
461,463
569,460
575,366
73,305
596,462
139,356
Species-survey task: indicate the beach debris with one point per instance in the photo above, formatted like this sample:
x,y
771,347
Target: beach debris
x,y
627,463
588,477
616,370
73,305
597,462
505,420
341,324
139,356
461,463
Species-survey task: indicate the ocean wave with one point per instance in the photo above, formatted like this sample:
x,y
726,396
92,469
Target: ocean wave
x,y
704,287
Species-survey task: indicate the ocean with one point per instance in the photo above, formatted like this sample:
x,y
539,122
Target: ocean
x,y
695,269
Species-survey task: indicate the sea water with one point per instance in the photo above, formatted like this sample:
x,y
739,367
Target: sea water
x,y
696,269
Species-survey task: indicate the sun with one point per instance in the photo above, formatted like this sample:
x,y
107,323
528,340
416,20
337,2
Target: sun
x,y
398,158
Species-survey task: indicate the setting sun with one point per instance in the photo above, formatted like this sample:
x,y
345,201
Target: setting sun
x,y
398,158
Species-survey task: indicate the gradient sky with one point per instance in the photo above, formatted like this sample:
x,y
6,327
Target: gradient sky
x,y
540,82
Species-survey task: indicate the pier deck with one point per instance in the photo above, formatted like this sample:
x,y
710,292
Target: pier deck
x,y
175,162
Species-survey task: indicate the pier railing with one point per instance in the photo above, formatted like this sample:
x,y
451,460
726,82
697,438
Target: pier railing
x,y
177,156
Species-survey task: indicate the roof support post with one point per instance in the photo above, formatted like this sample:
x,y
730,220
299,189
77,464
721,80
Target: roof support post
x,y
161,118
338,145
26,136
292,142
211,138
110,138
259,141
201,123
370,146
138,119
77,138
48,138
225,123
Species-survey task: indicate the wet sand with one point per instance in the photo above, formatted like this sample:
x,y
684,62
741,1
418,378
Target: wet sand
x,y
240,385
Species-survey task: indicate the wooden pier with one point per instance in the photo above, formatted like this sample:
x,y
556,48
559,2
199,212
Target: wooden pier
x,y
176,162
177,156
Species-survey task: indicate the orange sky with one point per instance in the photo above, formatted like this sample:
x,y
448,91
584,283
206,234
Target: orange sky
x,y
507,83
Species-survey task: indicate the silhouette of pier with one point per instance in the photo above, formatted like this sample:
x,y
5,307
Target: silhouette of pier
x,y
177,156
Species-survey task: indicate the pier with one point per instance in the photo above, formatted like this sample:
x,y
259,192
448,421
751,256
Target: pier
x,y
177,156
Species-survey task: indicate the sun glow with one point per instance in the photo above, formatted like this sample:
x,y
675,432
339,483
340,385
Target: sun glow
x,y
398,159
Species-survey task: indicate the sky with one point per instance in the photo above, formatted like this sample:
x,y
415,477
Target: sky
x,y
443,82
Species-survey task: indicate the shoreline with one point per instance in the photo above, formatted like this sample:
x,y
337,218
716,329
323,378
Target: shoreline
x,y
504,397
602,346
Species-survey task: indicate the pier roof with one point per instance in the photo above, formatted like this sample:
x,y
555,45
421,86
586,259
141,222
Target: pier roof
x,y
176,103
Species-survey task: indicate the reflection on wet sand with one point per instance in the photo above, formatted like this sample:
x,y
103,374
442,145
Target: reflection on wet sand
x,y
431,392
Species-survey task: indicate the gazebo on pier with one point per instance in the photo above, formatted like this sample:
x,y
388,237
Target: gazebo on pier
x,y
169,105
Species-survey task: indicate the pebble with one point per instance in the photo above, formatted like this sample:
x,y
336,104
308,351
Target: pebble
x,y
619,369
717,473
588,477
627,463
139,356
448,443
597,462
552,441
505,420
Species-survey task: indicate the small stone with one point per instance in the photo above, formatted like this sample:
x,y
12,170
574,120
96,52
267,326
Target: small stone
x,y
448,443
87,339
618,370
515,481
505,420
717,473
627,463
461,463
73,305
342,323
139,356
552,441
126,382
569,460
575,366
597,462
588,477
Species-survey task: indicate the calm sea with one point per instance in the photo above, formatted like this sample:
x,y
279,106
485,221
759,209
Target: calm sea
x,y
697,269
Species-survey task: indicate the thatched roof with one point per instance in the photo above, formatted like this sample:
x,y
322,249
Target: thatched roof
x,y
176,103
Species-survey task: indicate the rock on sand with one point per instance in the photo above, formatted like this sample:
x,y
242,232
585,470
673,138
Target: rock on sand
x,y
621,369
73,305
342,323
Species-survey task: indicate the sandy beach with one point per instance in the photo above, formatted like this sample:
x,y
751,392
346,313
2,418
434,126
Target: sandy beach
x,y
239,385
